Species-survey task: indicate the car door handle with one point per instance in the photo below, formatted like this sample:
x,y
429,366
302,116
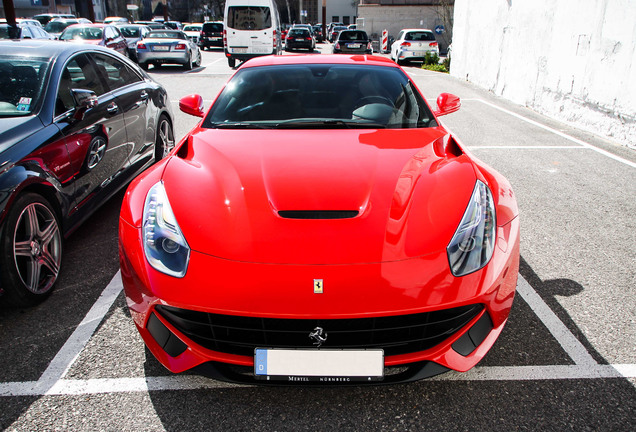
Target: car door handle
x,y
112,108
143,95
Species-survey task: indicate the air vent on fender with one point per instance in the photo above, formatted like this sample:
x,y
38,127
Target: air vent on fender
x,y
318,214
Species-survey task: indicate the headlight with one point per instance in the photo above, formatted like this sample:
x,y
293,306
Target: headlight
x,y
473,243
165,247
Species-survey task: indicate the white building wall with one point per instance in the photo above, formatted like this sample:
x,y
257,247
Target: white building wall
x,y
339,8
574,60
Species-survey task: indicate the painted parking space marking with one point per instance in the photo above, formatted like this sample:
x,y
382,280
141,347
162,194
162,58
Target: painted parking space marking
x,y
559,133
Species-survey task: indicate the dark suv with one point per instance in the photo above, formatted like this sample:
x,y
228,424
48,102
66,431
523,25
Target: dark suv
x,y
211,35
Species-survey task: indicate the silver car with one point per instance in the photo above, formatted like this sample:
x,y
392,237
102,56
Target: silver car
x,y
168,46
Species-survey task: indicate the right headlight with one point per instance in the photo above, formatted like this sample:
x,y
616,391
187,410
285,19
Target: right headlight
x,y
473,243
164,245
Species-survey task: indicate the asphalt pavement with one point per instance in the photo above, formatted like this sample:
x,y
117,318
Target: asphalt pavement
x,y
566,360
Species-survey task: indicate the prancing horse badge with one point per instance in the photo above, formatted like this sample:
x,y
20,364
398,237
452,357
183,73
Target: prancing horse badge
x,y
318,285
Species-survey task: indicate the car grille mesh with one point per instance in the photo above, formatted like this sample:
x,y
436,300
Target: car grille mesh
x,y
399,334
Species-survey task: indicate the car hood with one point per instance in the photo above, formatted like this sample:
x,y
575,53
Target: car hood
x,y
230,189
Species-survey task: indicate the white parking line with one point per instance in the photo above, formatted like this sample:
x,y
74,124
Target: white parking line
x,y
559,133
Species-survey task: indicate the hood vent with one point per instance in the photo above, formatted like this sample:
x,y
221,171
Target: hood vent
x,y
318,214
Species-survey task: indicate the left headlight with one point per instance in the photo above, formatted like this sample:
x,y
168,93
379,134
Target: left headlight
x,y
473,243
164,245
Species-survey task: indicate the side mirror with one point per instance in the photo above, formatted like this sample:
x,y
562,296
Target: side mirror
x,y
192,104
84,100
447,103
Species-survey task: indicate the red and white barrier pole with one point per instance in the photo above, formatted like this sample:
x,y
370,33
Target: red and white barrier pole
x,y
385,41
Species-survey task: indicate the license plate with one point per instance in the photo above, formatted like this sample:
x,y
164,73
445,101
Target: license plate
x,y
419,54
239,50
353,45
161,48
299,40
215,38
318,365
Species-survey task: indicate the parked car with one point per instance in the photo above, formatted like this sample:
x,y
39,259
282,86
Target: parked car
x,y
299,38
154,25
320,38
334,32
413,45
25,31
174,25
330,27
133,33
211,35
77,123
105,35
193,31
352,42
333,230
116,20
24,21
168,46
56,26
45,18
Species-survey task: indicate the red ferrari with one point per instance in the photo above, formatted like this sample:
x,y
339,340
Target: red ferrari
x,y
319,225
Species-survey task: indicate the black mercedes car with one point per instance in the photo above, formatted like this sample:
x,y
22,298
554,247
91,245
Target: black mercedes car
x,y
77,123
352,42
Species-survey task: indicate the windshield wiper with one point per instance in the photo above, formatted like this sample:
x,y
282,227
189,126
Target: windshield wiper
x,y
240,125
327,124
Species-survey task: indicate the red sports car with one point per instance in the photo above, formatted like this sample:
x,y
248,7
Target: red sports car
x,y
320,225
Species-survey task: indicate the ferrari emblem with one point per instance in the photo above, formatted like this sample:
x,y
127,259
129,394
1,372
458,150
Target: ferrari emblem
x,y
318,285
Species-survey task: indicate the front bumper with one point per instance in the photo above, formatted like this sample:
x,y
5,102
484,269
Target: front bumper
x,y
263,291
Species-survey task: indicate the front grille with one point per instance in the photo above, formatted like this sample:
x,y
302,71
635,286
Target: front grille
x,y
399,334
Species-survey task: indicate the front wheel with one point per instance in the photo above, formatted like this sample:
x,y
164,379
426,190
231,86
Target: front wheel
x,y
30,250
165,138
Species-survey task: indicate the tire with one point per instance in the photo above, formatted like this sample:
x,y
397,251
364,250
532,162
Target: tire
x,y
144,66
30,250
188,65
231,62
164,142
199,59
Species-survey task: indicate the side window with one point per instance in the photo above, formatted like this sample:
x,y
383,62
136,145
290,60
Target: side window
x,y
117,73
26,33
79,73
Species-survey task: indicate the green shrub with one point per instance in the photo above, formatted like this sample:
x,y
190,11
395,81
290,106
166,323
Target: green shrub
x,y
431,59
435,67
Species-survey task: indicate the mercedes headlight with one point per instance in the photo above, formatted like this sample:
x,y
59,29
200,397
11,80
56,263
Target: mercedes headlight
x,y
164,245
473,243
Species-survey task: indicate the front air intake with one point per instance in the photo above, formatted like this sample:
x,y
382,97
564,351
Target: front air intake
x,y
318,214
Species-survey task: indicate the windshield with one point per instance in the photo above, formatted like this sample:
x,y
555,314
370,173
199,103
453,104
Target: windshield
x,y
165,35
21,84
192,28
249,17
419,36
319,96
83,33
130,32
57,26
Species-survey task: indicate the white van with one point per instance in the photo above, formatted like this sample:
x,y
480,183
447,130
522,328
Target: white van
x,y
252,29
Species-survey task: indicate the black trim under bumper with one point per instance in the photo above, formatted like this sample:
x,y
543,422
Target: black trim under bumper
x,y
245,375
